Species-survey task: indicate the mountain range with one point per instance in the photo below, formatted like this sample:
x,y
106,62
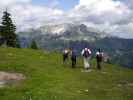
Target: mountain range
x,y
56,37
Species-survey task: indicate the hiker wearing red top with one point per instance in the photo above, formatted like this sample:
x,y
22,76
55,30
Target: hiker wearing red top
x,y
65,55
99,58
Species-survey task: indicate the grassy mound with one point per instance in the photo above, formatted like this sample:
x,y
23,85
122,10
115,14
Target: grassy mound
x,y
48,79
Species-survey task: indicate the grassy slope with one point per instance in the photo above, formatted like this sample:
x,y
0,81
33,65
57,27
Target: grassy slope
x,y
48,79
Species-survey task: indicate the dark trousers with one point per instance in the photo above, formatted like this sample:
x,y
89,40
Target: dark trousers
x,y
99,65
73,62
65,57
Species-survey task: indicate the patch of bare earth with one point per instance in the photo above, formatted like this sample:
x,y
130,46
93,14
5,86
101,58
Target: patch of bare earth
x,y
10,78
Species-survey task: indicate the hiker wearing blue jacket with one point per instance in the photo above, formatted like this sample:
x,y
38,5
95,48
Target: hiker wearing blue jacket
x,y
73,58
86,53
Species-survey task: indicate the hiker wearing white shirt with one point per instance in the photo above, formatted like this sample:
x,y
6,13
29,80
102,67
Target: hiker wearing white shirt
x,y
99,58
86,53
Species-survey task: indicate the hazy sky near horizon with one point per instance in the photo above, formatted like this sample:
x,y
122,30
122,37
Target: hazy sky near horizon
x,y
112,16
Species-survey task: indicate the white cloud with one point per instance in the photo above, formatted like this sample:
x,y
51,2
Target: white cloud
x,y
104,10
111,16
27,15
6,3
106,15
101,5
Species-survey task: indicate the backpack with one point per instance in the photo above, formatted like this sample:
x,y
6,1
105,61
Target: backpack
x,y
86,53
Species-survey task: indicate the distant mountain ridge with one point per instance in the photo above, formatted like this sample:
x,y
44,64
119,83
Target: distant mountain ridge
x,y
57,37
66,32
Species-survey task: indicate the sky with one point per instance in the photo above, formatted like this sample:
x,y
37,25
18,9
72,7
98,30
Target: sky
x,y
114,17
61,4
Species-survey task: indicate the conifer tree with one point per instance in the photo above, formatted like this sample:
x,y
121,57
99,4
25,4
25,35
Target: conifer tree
x,y
8,30
33,45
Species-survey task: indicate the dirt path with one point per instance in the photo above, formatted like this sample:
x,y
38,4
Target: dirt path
x,y
8,78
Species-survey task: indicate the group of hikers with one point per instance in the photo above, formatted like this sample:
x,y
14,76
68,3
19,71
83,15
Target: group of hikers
x,y
86,54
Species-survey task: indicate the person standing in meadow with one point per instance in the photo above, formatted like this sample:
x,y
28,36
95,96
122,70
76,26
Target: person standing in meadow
x,y
99,58
65,55
73,57
86,53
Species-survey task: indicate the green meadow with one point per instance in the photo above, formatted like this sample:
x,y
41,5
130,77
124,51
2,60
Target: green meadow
x,y
48,79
